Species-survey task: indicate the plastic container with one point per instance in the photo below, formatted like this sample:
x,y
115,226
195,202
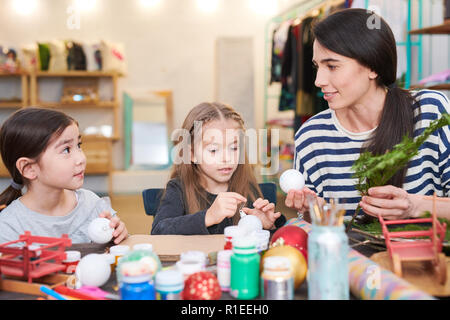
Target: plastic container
x,y
71,261
111,259
195,256
118,252
262,240
230,233
244,282
277,281
328,263
137,288
188,267
224,269
137,263
169,284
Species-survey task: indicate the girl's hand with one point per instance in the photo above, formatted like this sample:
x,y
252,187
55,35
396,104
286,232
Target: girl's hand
x,y
297,199
265,211
224,206
390,202
120,231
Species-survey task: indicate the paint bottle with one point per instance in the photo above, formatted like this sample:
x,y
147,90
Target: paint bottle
x,y
328,263
224,269
137,287
111,259
231,232
277,281
71,261
262,240
169,284
195,256
188,267
244,280
118,252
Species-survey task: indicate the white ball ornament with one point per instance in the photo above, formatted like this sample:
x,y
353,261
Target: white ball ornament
x,y
250,223
291,180
99,230
93,270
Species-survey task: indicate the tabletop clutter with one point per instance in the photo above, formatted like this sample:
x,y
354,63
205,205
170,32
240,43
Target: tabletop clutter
x,y
250,265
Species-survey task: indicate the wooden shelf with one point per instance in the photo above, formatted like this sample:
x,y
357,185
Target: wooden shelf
x,y
74,73
443,86
11,104
439,29
100,105
13,74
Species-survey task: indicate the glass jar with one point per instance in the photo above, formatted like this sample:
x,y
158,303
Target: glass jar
x,y
328,263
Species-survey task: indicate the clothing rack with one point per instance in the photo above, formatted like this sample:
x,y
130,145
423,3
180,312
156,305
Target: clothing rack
x,y
307,8
299,11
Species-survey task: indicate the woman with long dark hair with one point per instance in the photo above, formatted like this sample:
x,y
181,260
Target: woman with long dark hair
x,y
356,63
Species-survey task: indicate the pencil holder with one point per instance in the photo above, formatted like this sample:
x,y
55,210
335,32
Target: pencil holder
x,y
328,263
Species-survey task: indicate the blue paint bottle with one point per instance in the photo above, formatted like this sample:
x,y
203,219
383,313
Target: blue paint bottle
x,y
137,287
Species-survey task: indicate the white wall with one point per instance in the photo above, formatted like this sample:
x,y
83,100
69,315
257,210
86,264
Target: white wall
x,y
172,45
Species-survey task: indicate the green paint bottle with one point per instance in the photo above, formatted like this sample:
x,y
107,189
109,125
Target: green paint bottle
x,y
244,283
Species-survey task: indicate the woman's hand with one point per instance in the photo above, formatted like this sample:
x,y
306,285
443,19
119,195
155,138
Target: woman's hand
x,y
297,199
390,202
265,211
120,231
224,206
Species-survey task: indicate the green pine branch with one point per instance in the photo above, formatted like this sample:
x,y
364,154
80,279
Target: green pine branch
x,y
376,170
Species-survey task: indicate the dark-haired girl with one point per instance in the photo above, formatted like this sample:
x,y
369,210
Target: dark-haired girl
x,y
41,149
356,63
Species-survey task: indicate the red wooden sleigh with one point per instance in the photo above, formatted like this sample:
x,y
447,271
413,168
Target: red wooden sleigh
x,y
23,262
426,246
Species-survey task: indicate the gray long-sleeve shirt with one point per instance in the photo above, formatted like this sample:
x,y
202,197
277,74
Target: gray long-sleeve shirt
x,y
16,218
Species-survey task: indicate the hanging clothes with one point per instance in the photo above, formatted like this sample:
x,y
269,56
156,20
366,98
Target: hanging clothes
x,y
279,37
289,71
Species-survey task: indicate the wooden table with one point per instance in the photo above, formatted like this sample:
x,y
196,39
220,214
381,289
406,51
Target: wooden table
x,y
86,248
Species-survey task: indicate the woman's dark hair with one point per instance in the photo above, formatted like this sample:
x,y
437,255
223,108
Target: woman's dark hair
x,y
364,36
27,133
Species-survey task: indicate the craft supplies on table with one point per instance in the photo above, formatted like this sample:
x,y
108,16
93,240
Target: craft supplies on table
x,y
224,269
71,261
367,280
139,287
244,261
328,263
169,284
277,281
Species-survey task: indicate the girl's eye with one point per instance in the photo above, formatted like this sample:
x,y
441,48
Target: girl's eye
x,y
332,67
66,150
79,145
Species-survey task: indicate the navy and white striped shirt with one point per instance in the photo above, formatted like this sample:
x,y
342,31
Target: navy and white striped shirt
x,y
325,152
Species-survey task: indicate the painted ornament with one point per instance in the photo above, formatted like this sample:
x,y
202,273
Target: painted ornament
x,y
202,285
291,236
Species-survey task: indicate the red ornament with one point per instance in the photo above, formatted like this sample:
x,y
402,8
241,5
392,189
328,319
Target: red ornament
x,y
291,236
202,285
